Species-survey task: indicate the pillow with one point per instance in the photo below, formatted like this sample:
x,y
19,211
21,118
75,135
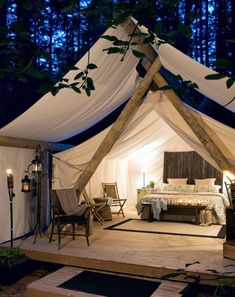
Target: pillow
x,y
156,190
205,181
177,181
207,188
178,188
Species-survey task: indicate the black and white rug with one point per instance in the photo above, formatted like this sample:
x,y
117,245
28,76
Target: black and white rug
x,y
171,228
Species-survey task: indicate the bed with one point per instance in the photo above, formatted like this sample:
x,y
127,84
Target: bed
x,y
189,184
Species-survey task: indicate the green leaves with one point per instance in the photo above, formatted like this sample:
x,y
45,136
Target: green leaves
x,y
113,50
138,54
80,82
229,82
2,2
214,76
91,66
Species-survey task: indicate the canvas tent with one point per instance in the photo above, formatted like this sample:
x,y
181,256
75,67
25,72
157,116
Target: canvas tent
x,y
157,125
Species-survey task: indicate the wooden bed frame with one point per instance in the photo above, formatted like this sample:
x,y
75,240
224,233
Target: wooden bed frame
x,y
182,165
190,165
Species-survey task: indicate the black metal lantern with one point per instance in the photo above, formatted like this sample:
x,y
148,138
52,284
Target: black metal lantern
x,y
25,184
37,162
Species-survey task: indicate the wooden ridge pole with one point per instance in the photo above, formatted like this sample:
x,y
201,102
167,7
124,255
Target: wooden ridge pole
x,y
205,134
117,127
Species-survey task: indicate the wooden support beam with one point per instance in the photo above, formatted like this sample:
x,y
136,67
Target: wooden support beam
x,y
32,144
198,128
129,26
204,133
118,127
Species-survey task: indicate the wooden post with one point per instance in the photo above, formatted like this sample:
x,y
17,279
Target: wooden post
x,y
117,127
32,144
199,130
205,134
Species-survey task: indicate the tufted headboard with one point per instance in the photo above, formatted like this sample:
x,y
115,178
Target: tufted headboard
x,y
191,165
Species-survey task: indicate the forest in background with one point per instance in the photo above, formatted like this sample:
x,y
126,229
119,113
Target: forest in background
x,y
41,40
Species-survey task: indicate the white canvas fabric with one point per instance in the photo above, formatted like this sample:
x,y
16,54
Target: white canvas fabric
x,y
24,206
68,113
141,145
178,63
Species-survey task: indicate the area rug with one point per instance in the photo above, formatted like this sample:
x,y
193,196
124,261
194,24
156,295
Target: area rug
x,y
110,285
172,228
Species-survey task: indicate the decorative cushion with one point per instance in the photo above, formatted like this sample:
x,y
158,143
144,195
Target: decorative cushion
x,y
156,190
178,188
207,188
205,181
177,181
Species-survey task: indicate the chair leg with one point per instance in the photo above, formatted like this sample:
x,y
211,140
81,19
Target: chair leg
x,y
73,231
87,240
121,210
52,230
59,236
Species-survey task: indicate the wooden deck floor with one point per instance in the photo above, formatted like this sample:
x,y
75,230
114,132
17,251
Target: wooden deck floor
x,y
140,254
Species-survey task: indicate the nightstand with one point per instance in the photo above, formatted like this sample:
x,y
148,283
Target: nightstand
x,y
142,192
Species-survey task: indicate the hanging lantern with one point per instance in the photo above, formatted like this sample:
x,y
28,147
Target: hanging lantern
x,y
25,184
37,163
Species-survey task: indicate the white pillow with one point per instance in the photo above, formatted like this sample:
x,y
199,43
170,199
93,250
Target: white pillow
x,y
177,181
204,181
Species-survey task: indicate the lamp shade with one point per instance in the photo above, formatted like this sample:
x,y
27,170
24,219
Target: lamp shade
x,y
25,184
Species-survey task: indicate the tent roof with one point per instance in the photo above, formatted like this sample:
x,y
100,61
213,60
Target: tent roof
x,y
68,113
156,127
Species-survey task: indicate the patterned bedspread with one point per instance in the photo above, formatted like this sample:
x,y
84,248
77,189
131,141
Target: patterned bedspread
x,y
213,201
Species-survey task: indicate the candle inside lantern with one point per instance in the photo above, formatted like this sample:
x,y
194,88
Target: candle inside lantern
x,y
199,202
189,202
180,201
10,180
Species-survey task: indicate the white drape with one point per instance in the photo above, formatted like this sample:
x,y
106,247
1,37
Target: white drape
x,y
23,205
68,113
141,145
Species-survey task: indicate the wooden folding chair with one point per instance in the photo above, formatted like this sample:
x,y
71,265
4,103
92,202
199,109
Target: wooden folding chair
x,y
95,206
111,190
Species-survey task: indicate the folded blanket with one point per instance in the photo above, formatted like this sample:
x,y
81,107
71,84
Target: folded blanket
x,y
69,202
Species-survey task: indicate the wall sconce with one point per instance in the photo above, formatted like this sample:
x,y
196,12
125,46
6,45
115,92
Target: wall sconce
x,y
26,182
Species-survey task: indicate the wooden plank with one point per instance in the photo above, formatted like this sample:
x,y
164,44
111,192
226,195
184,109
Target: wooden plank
x,y
206,135
32,144
118,127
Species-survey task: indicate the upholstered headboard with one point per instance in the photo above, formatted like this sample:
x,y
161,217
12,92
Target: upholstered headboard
x,y
190,165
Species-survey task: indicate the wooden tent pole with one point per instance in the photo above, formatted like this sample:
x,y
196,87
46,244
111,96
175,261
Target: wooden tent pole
x,y
200,131
117,127
214,146
32,144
